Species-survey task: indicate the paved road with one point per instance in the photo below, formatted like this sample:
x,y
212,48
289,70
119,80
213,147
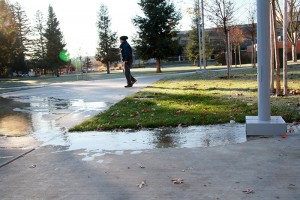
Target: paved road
x,y
261,168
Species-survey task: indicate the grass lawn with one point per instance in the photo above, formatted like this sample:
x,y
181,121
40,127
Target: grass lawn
x,y
195,99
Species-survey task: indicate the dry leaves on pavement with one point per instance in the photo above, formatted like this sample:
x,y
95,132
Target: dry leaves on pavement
x,y
248,191
177,181
142,184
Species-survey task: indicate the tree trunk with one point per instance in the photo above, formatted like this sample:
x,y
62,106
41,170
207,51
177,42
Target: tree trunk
x,y
294,48
294,53
272,55
234,55
277,61
230,50
240,60
285,35
228,53
158,69
252,55
108,67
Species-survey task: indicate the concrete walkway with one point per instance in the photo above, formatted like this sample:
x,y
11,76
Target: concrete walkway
x,y
261,168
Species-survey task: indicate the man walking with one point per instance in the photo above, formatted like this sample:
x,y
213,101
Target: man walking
x,y
126,52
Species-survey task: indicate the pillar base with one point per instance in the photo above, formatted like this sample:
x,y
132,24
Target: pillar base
x,y
255,127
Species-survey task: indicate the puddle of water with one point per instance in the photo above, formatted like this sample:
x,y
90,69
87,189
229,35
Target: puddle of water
x,y
46,120
97,144
13,124
43,117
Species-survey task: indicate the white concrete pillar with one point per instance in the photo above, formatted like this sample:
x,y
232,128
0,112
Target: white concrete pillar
x,y
263,59
264,124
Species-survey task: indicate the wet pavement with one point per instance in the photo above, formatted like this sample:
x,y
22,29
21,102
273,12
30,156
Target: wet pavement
x,y
45,161
46,118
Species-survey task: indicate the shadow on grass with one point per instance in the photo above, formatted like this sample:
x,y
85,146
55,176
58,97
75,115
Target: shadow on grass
x,y
206,89
154,109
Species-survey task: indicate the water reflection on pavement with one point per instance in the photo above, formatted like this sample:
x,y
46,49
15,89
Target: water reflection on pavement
x,y
118,142
48,119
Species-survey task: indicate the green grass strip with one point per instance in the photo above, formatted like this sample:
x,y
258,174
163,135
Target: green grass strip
x,y
195,99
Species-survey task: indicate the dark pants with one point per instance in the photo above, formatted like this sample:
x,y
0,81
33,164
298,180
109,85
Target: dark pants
x,y
128,75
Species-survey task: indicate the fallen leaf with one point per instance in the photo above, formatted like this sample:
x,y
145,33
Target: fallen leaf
x,y
144,111
248,191
134,114
290,130
32,166
177,181
142,184
295,123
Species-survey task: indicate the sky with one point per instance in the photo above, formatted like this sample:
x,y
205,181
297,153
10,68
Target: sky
x,y
78,19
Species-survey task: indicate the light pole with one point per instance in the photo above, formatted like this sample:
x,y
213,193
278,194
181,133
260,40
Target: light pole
x,y
264,124
285,24
199,33
203,36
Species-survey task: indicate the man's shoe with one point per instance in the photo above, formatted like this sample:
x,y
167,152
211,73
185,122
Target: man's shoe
x,y
127,86
133,82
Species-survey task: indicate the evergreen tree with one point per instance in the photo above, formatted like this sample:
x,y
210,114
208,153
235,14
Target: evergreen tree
x,y
8,36
54,42
192,47
106,51
38,53
156,30
23,43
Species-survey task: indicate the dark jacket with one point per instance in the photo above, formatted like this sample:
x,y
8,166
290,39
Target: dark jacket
x,y
126,51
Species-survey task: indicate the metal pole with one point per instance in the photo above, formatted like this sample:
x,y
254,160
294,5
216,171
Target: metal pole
x,y
263,42
203,37
285,24
199,33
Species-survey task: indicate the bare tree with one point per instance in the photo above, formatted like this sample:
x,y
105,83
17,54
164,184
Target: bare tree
x,y
293,26
272,61
250,33
221,14
236,38
276,50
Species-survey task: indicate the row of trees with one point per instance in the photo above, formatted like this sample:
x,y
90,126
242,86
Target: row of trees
x,y
23,47
156,30
44,42
40,47
221,13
